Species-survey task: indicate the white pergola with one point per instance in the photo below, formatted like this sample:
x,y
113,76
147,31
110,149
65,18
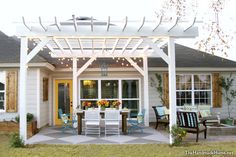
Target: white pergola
x,y
89,38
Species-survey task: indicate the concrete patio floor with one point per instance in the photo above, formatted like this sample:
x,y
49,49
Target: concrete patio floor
x,y
54,135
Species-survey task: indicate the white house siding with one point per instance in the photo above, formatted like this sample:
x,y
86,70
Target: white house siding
x,y
153,96
224,110
31,96
31,91
43,105
155,100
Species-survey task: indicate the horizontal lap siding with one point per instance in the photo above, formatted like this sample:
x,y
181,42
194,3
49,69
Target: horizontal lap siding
x,y
31,91
224,109
154,99
44,105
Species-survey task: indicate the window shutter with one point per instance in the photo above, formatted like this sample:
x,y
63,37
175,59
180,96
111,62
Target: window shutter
x,y
166,89
11,91
217,90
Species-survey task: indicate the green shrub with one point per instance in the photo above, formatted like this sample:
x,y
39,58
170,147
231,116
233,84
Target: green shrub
x,y
16,141
29,117
177,134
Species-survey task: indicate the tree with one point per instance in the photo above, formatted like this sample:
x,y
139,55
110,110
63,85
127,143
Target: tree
x,y
228,92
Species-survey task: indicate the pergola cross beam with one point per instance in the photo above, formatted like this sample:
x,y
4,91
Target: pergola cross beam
x,y
140,70
35,51
85,66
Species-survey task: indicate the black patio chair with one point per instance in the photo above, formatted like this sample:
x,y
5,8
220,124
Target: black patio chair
x,y
161,116
190,123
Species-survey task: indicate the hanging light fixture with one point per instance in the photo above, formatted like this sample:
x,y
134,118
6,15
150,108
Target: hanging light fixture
x,y
104,69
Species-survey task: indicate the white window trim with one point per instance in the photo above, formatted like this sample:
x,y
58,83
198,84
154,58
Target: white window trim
x,y
192,84
119,89
3,80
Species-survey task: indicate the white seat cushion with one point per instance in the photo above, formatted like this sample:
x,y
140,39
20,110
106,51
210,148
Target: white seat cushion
x,y
111,122
92,123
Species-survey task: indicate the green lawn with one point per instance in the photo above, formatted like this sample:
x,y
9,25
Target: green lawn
x,y
146,150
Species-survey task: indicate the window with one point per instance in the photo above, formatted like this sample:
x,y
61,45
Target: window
x,y
130,95
127,91
109,90
89,91
2,92
193,89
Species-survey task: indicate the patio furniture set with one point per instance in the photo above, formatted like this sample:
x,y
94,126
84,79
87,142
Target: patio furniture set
x,y
192,119
91,120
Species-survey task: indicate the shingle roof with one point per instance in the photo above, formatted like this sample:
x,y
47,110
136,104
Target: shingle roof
x,y
10,50
185,56
188,57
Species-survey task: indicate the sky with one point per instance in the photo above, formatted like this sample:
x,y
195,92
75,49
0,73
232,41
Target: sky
x,y
13,10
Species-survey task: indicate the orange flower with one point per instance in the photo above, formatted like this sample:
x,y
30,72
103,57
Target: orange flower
x,y
116,103
103,103
86,104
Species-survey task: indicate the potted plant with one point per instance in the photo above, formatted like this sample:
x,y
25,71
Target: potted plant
x,y
229,95
116,104
103,104
86,104
177,134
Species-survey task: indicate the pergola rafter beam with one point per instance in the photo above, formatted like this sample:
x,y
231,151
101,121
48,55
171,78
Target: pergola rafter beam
x,y
58,45
57,24
23,19
136,46
80,45
147,47
92,24
176,22
126,21
126,45
142,24
41,24
75,23
159,23
68,44
114,46
194,20
108,23
104,45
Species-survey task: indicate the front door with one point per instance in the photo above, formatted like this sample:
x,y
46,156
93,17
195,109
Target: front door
x,y
63,99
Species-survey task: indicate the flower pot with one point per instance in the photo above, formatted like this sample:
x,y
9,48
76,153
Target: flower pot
x,y
229,121
103,108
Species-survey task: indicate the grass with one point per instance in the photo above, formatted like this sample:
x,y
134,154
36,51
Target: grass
x,y
93,150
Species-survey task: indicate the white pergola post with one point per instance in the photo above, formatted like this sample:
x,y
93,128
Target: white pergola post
x,y
172,84
23,80
145,89
75,86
